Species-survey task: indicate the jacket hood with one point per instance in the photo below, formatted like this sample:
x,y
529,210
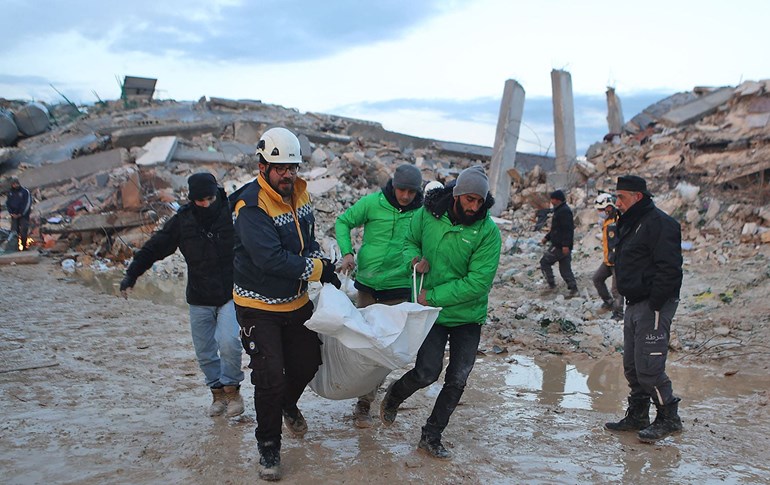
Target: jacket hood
x,y
390,195
438,201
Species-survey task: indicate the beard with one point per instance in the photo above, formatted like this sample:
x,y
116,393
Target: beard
x,y
466,218
284,187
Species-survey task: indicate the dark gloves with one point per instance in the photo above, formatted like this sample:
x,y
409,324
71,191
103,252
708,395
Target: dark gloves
x,y
328,275
127,282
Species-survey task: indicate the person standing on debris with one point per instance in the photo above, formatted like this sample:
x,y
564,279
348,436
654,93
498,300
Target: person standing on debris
x,y
608,214
385,217
455,245
276,254
19,205
559,250
648,266
202,230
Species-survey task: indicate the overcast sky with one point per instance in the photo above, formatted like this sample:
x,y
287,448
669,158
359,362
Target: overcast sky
x,y
433,68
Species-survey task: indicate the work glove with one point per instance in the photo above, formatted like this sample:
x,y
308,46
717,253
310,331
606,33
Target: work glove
x,y
328,275
127,282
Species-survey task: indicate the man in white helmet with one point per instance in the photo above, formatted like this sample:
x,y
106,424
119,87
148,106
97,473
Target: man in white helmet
x,y
276,254
608,214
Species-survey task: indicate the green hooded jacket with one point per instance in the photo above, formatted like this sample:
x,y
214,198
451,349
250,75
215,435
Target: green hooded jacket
x,y
385,228
463,259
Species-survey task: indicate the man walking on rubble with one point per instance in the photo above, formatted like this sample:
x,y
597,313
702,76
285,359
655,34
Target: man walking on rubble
x,y
202,230
455,244
385,217
648,267
276,254
608,214
560,239
19,205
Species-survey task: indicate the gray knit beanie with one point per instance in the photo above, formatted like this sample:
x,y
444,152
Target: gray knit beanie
x,y
472,180
407,177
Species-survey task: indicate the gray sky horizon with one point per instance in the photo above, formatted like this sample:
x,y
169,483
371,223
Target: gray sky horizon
x,y
432,68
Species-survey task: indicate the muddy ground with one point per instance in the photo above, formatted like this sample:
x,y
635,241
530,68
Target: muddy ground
x,y
95,389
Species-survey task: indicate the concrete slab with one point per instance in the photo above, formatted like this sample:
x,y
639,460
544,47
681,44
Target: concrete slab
x,y
138,136
159,150
76,168
695,110
131,192
99,222
321,186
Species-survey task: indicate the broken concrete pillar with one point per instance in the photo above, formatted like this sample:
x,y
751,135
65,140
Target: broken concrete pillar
x,y
32,119
563,120
614,112
506,139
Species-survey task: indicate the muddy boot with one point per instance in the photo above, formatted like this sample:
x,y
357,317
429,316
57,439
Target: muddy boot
x,y
361,416
549,290
637,416
388,407
432,446
571,293
219,405
234,401
295,421
666,423
269,461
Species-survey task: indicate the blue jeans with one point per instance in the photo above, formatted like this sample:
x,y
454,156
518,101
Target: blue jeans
x,y
217,344
463,344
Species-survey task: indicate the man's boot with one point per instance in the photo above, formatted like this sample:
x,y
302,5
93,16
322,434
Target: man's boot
x,y
361,416
572,293
637,416
389,407
219,405
666,423
432,446
234,401
269,461
295,421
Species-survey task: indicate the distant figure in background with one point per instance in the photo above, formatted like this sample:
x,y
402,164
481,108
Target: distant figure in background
x,y
648,266
608,213
19,205
560,239
203,232
385,217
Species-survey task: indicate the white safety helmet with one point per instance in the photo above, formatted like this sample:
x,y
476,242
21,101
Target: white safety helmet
x,y
603,201
432,185
279,145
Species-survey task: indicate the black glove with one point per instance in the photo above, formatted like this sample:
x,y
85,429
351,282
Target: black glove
x,y
127,282
328,275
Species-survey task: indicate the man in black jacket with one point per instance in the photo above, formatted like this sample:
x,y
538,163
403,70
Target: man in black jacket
x,y
560,238
19,205
203,232
648,267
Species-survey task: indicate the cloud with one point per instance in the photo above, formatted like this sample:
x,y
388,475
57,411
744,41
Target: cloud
x,y
266,31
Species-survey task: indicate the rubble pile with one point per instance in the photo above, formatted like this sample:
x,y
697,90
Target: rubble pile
x,y
105,179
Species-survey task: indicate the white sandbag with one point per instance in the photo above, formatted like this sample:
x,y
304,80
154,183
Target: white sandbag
x,y
362,346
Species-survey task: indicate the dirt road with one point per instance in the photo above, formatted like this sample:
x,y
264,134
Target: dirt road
x,y
95,389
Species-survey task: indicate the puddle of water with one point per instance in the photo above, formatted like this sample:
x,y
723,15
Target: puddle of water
x,y
597,384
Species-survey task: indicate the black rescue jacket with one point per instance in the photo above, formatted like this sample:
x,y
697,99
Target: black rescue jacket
x,y
648,258
208,253
562,227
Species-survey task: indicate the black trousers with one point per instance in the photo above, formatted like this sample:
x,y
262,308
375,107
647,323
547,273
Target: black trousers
x,y
284,356
463,344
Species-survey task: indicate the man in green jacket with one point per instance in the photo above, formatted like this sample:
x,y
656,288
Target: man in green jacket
x,y
385,217
455,244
